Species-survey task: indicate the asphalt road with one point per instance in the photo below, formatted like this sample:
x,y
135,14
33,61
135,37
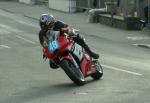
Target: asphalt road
x,y
26,78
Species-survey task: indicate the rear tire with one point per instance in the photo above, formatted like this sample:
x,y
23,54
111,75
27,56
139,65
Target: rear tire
x,y
99,71
73,73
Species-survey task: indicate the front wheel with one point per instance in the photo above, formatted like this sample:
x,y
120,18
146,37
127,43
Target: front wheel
x,y
73,73
99,71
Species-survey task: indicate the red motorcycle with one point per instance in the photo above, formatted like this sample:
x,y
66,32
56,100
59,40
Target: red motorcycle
x,y
72,58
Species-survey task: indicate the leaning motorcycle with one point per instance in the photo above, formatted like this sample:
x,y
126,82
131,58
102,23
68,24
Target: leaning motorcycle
x,y
72,58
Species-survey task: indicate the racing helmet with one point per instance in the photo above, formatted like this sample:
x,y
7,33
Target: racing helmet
x,y
46,21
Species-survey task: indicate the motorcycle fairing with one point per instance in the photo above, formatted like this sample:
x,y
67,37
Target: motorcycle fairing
x,y
53,43
86,65
78,51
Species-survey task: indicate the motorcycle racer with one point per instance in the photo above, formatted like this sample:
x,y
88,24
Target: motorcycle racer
x,y
48,22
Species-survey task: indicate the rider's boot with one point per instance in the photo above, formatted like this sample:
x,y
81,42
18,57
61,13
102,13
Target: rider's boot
x,y
80,41
53,65
92,54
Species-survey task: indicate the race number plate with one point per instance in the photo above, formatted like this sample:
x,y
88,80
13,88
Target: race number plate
x,y
78,51
53,45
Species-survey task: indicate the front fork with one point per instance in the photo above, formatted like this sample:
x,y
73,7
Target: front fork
x,y
71,58
93,68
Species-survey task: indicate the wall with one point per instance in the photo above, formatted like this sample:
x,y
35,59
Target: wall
x,y
27,1
63,5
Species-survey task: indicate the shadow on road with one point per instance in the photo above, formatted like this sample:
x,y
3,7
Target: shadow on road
x,y
38,92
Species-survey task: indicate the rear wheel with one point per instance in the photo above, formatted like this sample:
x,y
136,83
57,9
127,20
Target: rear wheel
x,y
73,73
99,71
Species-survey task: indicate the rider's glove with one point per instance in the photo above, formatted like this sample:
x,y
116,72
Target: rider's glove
x,y
44,57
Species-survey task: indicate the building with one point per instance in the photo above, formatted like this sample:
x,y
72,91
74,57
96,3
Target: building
x,y
129,10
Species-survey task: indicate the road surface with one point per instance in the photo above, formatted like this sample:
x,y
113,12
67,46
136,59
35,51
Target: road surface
x,y
26,78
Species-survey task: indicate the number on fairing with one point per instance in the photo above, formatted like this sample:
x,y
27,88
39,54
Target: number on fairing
x,y
53,45
78,51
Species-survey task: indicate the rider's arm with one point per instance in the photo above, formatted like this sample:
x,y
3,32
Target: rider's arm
x,y
42,39
62,27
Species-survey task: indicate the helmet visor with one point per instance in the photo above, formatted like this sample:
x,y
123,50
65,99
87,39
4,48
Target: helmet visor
x,y
50,25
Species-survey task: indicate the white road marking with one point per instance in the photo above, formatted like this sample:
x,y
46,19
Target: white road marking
x,y
4,46
9,28
27,23
3,31
19,19
82,93
122,70
138,37
25,39
146,45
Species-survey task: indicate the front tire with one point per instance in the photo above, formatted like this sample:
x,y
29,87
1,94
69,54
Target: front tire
x,y
73,73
